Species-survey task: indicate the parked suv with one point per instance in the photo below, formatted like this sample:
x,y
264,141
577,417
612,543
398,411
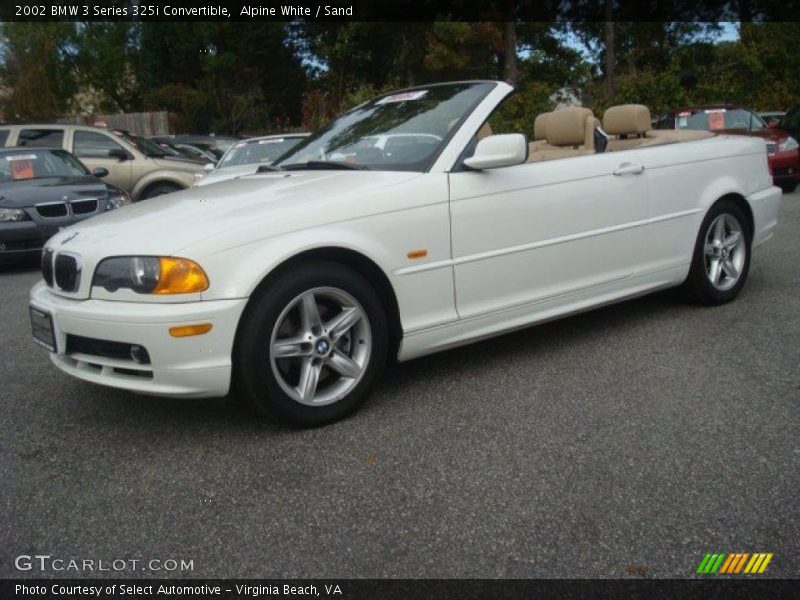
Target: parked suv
x,y
133,163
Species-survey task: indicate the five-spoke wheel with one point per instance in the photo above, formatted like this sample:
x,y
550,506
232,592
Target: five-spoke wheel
x,y
311,343
721,257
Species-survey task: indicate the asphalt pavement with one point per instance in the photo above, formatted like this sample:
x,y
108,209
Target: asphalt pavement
x,y
624,442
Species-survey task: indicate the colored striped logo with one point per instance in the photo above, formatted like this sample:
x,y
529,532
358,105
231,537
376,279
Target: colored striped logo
x,y
734,563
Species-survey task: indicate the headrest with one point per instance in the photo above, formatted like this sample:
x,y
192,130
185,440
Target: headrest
x,y
484,131
627,119
567,127
540,126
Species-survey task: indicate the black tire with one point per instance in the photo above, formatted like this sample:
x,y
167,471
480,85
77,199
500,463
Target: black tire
x,y
254,380
698,285
788,188
159,189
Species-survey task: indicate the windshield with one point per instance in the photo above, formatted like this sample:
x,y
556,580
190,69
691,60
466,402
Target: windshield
x,y
257,151
38,164
144,146
712,119
403,131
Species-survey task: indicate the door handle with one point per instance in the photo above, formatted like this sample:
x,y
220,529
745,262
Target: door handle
x,y
629,169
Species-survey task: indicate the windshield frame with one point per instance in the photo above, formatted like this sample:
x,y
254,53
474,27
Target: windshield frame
x,y
430,161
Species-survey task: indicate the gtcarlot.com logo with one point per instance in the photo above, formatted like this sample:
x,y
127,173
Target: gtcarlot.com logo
x,y
736,563
46,562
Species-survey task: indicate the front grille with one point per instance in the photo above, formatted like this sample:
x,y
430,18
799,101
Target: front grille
x,y
52,211
103,348
47,267
22,245
66,272
84,207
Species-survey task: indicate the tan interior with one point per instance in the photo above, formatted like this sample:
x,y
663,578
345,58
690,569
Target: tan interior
x,y
570,132
484,131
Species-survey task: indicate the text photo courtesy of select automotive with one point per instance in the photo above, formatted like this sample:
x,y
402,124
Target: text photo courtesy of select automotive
x,y
451,299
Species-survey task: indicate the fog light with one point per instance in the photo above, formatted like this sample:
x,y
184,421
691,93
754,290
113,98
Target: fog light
x,y
140,355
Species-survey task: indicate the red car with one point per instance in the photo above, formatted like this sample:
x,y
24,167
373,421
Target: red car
x,y
782,149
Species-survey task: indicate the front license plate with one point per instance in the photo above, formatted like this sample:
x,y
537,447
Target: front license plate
x,y
42,329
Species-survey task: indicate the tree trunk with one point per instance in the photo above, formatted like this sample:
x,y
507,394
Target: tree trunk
x,y
610,54
510,71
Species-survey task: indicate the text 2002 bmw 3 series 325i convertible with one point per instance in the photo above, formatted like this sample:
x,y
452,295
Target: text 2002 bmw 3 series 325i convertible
x,y
402,228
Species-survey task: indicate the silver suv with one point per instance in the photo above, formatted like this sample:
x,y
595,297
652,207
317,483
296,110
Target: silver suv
x,y
133,163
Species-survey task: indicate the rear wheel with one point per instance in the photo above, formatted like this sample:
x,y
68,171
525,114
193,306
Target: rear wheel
x,y
311,345
721,258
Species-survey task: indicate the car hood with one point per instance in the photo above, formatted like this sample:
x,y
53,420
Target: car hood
x,y
224,173
25,193
177,163
269,203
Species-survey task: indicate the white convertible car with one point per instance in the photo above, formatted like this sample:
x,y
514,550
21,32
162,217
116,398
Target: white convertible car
x,y
293,287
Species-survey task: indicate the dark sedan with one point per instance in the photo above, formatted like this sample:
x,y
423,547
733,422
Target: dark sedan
x,y
43,190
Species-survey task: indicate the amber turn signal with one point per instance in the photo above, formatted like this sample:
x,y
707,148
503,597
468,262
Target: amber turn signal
x,y
190,330
180,276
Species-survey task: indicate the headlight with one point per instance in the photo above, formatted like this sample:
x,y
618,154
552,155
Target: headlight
x,y
12,214
198,176
150,275
788,144
118,200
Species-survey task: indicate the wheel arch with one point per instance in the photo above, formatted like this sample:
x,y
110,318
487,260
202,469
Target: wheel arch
x,y
360,263
741,202
146,183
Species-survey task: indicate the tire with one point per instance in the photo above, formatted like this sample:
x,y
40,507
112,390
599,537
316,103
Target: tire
x,y
159,189
341,349
719,268
788,188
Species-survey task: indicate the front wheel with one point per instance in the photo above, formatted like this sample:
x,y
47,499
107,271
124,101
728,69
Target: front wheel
x,y
159,189
789,187
721,257
311,344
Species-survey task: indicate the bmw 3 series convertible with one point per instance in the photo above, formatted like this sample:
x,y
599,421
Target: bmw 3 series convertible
x,y
403,228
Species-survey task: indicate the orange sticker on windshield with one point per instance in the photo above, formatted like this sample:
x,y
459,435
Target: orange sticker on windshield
x,y
22,169
716,120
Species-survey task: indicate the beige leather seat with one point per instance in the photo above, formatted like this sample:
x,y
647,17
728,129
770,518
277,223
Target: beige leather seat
x,y
629,124
539,133
568,132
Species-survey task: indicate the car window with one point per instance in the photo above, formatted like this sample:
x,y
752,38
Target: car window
x,y
3,137
39,164
712,119
90,144
50,138
258,151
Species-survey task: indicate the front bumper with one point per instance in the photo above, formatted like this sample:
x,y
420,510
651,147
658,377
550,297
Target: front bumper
x,y
194,367
785,166
22,238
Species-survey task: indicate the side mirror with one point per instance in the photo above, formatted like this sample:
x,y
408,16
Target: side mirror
x,y
100,172
119,153
496,151
208,166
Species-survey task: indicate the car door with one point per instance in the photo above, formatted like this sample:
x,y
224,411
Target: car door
x,y
546,229
790,123
95,149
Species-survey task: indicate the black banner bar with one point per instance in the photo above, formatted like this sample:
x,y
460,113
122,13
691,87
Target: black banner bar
x,y
400,589
399,10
